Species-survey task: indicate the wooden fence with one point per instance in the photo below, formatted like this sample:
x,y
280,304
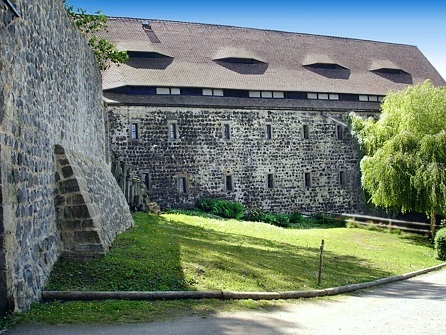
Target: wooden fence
x,y
386,223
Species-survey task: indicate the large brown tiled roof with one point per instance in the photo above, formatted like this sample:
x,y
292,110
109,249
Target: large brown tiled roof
x,y
287,61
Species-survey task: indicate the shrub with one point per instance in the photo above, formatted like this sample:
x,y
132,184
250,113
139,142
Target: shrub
x,y
296,217
256,215
205,204
440,244
224,208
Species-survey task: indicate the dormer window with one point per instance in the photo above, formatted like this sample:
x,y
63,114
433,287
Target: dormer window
x,y
326,66
148,60
240,61
391,71
235,60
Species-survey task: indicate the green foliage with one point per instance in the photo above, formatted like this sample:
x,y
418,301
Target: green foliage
x,y
296,217
403,167
89,25
224,208
278,219
440,244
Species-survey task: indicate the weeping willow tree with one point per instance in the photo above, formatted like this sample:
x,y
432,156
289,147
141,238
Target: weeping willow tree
x,y
404,163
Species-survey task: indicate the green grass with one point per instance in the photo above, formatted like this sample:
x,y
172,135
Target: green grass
x,y
184,252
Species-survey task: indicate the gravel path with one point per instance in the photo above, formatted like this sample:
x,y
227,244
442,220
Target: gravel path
x,y
409,307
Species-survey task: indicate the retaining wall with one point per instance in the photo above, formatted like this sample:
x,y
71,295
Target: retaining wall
x,y
57,194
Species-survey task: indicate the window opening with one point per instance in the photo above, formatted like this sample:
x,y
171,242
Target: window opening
x,y
269,132
182,185
229,186
340,132
270,180
226,131
342,179
173,135
306,131
134,131
307,179
145,178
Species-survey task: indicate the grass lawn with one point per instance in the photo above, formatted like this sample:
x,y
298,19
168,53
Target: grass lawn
x,y
183,252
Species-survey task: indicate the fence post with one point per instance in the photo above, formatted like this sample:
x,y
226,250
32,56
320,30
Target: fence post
x,y
321,254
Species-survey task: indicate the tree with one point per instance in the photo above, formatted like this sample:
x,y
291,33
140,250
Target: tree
x,y
404,162
89,25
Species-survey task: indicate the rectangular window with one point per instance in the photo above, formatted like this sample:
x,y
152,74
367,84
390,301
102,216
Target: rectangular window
x,y
306,131
162,90
268,132
339,132
134,131
307,179
218,93
182,185
168,90
229,186
254,94
214,92
334,97
145,178
226,131
267,94
312,95
323,96
270,180
342,179
278,95
173,131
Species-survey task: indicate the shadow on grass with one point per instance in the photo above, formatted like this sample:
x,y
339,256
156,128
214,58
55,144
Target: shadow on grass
x,y
166,255
422,240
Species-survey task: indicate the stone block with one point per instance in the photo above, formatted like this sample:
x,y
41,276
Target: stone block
x,y
67,171
82,237
69,186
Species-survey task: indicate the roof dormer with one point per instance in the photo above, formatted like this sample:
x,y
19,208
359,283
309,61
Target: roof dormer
x,y
389,70
325,66
240,60
148,60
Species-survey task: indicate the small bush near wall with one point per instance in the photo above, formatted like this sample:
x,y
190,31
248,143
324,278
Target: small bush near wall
x,y
223,208
440,244
280,220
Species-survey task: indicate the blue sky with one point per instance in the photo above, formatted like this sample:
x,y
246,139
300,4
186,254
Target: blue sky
x,y
422,23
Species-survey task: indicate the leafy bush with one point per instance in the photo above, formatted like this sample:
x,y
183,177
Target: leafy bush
x,y
224,208
296,217
205,204
440,244
256,215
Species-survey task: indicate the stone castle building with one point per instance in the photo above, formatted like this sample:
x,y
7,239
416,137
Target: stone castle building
x,y
199,110
256,116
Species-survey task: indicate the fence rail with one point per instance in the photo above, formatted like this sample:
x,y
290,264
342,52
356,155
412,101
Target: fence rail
x,y
387,223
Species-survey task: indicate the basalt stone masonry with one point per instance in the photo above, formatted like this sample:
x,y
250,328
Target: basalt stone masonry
x,y
274,160
57,193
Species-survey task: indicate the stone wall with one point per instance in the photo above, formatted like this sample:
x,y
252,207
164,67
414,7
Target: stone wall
x,y
57,192
201,158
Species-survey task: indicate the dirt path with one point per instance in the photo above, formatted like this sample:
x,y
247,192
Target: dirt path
x,y
413,306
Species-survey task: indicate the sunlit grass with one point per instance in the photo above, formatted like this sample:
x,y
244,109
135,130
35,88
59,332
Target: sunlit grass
x,y
183,252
